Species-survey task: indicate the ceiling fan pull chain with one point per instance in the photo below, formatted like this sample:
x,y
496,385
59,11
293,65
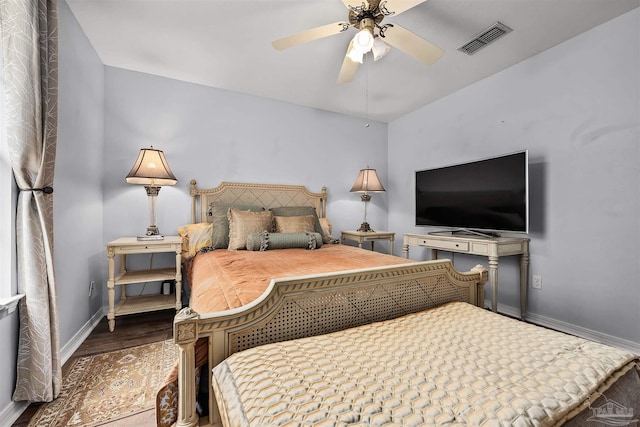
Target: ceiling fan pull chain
x,y
366,89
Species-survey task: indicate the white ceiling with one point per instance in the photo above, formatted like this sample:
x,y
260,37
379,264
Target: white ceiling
x,y
227,44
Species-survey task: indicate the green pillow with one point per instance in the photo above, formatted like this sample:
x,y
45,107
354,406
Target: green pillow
x,y
301,211
264,240
220,220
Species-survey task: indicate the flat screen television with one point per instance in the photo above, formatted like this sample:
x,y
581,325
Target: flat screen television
x,y
486,196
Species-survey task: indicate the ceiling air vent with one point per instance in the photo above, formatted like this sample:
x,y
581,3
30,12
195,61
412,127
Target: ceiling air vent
x,y
487,36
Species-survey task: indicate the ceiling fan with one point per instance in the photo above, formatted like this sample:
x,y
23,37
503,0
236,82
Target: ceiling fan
x,y
373,36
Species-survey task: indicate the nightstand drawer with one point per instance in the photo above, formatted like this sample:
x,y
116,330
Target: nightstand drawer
x,y
164,247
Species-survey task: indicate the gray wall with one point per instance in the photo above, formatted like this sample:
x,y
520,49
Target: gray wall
x,y
213,135
575,108
78,215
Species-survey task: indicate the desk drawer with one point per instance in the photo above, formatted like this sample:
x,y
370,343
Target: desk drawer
x,y
445,245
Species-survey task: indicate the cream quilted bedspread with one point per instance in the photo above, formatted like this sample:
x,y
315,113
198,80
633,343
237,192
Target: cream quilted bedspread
x,y
456,365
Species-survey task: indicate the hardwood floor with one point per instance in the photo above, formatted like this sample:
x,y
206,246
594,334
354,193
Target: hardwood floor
x,y
130,331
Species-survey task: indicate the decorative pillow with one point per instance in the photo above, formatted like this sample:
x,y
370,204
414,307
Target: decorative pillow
x,y
219,213
265,241
195,237
294,224
300,211
327,229
243,223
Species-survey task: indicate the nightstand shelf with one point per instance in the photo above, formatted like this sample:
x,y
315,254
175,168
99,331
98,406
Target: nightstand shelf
x,y
141,276
144,303
127,246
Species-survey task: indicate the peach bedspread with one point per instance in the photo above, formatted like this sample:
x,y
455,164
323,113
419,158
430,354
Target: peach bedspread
x,y
222,280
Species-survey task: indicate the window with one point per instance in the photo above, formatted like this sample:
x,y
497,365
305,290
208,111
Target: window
x,y
8,199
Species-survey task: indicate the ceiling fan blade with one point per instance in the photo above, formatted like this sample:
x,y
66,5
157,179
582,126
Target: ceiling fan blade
x,y
411,44
348,69
396,7
310,35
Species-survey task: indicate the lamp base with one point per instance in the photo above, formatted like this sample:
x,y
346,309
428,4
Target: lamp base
x,y
150,238
364,227
152,230
152,234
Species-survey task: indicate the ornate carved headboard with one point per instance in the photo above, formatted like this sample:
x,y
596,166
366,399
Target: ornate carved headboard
x,y
266,195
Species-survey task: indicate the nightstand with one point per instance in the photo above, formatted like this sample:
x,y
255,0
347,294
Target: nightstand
x,y
125,246
369,236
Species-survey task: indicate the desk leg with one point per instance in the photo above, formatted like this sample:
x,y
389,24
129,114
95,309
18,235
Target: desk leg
x,y
372,245
405,250
434,254
493,281
391,246
524,275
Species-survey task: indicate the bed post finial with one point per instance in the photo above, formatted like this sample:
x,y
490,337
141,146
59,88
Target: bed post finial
x,y
192,192
185,335
324,201
479,268
479,288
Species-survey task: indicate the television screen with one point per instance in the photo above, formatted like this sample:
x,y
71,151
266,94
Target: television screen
x,y
485,195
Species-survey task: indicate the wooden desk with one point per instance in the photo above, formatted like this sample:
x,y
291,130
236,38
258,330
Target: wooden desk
x,y
493,248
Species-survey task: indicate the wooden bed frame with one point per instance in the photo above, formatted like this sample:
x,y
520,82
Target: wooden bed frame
x,y
304,306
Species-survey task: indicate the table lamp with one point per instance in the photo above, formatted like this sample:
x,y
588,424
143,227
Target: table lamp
x,y
151,170
367,181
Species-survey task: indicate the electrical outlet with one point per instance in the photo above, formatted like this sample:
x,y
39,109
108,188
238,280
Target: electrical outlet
x,y
92,284
537,282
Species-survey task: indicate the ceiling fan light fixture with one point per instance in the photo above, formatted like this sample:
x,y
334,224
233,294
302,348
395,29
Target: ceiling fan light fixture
x,y
355,55
379,48
363,41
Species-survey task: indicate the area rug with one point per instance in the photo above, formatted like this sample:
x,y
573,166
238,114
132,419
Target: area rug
x,y
106,387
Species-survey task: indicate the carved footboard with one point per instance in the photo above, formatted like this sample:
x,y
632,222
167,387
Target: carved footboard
x,y
312,305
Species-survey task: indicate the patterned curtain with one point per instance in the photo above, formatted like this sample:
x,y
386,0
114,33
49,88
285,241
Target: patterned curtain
x,y
30,58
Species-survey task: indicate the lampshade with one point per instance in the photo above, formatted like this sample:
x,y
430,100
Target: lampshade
x,y
151,168
379,48
363,40
367,181
355,55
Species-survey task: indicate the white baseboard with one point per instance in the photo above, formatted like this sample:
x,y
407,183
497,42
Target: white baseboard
x,y
13,410
70,347
569,328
